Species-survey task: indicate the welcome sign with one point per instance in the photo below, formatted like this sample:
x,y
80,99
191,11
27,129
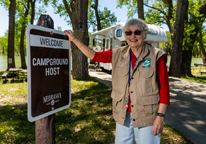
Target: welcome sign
x,y
49,81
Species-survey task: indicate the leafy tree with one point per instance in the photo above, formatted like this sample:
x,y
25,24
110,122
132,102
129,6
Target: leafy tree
x,y
24,21
77,12
167,46
4,43
134,6
195,19
40,9
161,12
202,45
100,19
25,13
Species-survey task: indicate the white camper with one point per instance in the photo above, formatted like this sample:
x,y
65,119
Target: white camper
x,y
113,37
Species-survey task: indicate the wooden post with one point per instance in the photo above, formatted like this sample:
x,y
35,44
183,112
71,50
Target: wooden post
x,y
45,127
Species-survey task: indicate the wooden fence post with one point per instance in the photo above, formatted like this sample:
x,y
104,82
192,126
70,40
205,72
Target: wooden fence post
x,y
45,127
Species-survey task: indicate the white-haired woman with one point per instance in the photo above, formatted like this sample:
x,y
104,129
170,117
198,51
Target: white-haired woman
x,y
140,86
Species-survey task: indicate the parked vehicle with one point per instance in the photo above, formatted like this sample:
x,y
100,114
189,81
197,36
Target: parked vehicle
x,y
113,37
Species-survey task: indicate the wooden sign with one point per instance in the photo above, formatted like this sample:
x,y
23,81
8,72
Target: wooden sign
x,y
49,73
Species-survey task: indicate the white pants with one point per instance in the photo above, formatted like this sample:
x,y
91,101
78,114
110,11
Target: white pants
x,y
143,135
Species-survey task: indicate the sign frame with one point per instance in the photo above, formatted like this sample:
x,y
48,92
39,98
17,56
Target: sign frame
x,y
29,78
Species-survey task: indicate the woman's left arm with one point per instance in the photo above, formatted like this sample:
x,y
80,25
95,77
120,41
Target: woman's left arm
x,y
163,81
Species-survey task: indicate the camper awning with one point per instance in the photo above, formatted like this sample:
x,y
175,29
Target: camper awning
x,y
156,34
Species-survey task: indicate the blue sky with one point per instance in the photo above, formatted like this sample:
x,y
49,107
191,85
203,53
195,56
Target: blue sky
x,y
121,15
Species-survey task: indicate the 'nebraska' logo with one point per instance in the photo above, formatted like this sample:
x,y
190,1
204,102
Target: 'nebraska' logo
x,y
146,63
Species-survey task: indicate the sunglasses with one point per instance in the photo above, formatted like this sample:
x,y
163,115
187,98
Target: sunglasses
x,y
129,33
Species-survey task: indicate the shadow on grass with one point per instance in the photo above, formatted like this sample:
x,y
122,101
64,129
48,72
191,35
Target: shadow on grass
x,y
17,81
14,125
5,81
169,132
88,121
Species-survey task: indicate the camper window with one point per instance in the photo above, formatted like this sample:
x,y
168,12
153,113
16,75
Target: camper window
x,y
94,42
107,44
103,42
111,43
119,33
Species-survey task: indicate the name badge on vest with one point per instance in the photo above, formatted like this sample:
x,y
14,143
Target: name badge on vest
x,y
146,63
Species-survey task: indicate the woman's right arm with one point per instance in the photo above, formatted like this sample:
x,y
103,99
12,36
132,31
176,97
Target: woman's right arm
x,y
85,50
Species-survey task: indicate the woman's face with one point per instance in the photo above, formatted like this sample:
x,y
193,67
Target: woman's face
x,y
135,40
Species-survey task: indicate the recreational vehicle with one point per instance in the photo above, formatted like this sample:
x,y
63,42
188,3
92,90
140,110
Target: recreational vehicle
x,y
113,37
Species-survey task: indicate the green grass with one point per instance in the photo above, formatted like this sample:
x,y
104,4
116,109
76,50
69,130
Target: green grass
x,y
89,120
196,75
197,79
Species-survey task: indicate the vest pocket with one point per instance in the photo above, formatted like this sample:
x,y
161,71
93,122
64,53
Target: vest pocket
x,y
146,72
146,76
148,109
150,103
151,109
116,105
117,100
120,79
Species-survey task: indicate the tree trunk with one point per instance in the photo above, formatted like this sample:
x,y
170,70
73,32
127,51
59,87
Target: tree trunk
x,y
45,130
32,10
3,50
176,56
97,15
78,14
202,49
12,9
140,9
169,16
23,29
45,127
186,62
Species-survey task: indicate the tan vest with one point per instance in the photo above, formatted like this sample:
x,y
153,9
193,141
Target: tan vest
x,y
144,90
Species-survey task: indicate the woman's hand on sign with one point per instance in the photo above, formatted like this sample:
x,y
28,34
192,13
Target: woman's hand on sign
x,y
86,50
70,35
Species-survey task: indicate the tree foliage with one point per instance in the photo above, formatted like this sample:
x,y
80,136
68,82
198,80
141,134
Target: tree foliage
x,y
193,24
161,12
131,6
4,43
167,46
20,19
98,19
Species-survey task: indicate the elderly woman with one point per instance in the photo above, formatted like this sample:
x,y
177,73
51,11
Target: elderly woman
x,y
140,87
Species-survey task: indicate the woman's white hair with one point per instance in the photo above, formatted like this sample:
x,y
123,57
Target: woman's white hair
x,y
138,22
